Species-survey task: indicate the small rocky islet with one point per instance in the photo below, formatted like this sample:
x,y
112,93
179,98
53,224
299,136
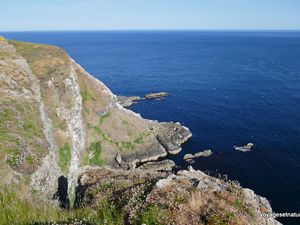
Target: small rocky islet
x,y
64,134
127,101
245,148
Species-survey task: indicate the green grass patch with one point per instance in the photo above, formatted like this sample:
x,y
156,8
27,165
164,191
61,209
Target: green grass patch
x,y
86,95
95,149
64,157
139,139
123,145
104,117
30,159
153,215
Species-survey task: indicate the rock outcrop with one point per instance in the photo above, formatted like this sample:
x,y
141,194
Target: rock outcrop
x,y
165,165
190,157
188,197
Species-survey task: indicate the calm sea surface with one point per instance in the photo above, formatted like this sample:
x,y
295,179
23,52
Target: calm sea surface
x,y
229,88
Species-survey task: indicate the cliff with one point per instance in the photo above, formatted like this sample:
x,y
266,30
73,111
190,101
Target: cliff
x,y
57,120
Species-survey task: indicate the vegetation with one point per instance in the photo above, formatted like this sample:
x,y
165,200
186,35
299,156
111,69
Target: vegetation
x,y
86,95
95,149
4,55
123,145
18,206
104,118
54,64
19,130
153,215
64,157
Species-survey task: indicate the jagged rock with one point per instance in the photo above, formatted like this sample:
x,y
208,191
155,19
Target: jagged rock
x,y
245,148
151,153
165,165
172,135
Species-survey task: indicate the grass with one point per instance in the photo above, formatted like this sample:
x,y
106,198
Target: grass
x,y
139,139
20,129
225,219
44,60
4,55
64,157
86,95
152,215
18,206
95,149
104,117
123,145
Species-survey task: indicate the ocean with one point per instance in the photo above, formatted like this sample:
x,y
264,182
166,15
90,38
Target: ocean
x,y
229,88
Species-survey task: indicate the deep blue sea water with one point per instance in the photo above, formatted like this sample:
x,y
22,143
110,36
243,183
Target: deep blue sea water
x,y
229,88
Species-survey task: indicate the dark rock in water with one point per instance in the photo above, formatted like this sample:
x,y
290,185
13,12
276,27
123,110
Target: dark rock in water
x,y
165,165
190,157
245,148
157,95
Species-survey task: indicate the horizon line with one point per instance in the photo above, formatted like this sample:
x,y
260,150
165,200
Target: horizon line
x,y
166,30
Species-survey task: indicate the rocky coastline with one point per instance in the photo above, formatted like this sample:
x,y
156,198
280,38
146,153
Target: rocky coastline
x,y
65,134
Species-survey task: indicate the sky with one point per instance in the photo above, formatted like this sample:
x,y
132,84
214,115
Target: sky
x,y
43,15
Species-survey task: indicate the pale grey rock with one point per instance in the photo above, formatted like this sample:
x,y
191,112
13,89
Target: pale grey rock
x,y
165,165
156,95
190,157
246,148
119,159
172,135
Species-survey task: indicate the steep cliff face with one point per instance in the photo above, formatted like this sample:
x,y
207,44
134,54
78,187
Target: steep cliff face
x,y
77,120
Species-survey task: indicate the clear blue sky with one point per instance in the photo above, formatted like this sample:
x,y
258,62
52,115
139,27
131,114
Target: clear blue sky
x,y
149,14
